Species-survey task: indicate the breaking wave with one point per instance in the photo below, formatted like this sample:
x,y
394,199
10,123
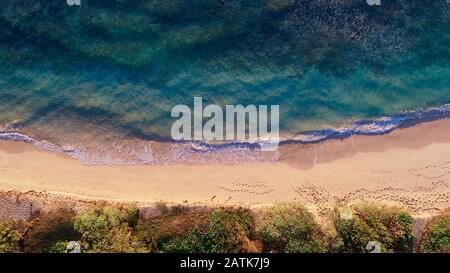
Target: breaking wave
x,y
138,152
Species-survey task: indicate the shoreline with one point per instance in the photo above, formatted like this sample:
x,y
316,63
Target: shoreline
x,y
409,167
128,152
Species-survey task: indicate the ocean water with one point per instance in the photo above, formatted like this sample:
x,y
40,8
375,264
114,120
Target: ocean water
x,y
98,81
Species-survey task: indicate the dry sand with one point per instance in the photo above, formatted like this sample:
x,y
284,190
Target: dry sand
x,y
409,167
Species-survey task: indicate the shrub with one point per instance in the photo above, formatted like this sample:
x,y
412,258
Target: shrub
x,y
289,228
9,238
389,226
174,222
108,229
402,230
48,228
224,231
58,247
436,237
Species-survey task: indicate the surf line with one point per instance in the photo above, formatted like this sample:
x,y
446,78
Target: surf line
x,y
249,123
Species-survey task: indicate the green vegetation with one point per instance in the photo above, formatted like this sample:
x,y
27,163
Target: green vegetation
x,y
225,231
436,237
105,229
9,238
59,247
289,228
170,224
389,226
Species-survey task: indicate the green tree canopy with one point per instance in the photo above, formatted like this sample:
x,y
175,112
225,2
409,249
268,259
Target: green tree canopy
x,y
225,231
289,228
390,226
108,229
9,238
436,237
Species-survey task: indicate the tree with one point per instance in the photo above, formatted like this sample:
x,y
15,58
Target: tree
x,y
9,238
225,231
108,229
289,228
390,226
436,237
173,222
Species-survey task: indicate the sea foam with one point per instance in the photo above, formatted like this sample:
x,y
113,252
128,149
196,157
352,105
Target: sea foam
x,y
139,152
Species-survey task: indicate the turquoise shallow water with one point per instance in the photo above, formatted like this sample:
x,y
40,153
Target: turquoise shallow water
x,y
98,81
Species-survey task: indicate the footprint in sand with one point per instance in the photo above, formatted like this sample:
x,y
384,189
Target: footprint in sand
x,y
256,188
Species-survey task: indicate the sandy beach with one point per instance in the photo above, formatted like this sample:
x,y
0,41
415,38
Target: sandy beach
x,y
409,167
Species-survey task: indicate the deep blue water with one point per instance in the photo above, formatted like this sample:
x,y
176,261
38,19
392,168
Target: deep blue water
x,y
100,80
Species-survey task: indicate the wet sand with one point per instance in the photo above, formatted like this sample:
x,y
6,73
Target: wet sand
x,y
409,167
